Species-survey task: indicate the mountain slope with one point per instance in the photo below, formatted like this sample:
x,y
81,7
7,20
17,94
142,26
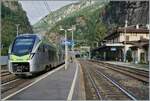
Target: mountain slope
x,y
93,20
49,21
12,13
85,15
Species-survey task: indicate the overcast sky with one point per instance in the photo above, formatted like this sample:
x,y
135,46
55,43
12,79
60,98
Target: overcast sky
x,y
37,9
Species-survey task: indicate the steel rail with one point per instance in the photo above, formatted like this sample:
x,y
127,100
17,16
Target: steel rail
x,y
127,72
5,74
3,84
136,71
131,70
117,85
94,85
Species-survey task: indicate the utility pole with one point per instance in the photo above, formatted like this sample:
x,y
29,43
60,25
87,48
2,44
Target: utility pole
x,y
125,40
17,25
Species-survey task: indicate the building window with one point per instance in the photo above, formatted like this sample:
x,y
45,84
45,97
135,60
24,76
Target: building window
x,y
141,37
127,38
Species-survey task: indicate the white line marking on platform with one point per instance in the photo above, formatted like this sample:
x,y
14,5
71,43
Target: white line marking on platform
x,y
37,80
73,84
9,82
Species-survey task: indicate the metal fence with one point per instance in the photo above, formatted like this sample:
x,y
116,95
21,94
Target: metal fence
x,y
3,60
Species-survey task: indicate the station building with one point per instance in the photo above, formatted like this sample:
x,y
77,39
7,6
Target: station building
x,y
133,39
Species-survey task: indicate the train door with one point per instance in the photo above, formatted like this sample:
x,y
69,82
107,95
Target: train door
x,y
44,59
50,56
46,54
40,53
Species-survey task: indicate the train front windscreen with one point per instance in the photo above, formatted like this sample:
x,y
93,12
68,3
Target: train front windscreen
x,y
23,45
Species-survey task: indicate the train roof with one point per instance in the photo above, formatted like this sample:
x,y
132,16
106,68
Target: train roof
x,y
33,35
41,37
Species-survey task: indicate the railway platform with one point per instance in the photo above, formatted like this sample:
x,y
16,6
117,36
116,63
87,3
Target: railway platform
x,y
130,65
58,84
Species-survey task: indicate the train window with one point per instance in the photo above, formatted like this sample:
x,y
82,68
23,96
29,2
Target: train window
x,y
23,45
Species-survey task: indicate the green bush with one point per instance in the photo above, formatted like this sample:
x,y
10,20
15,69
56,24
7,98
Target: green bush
x,y
4,51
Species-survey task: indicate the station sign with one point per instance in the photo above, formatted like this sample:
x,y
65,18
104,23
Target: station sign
x,y
113,49
68,42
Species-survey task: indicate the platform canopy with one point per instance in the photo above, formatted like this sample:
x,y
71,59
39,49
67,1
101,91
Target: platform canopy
x,y
109,46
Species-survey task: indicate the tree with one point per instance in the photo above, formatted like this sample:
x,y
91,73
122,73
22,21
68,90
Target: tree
x,y
9,19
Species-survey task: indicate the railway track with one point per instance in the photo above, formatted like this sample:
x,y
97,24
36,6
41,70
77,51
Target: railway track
x,y
96,88
105,88
137,87
6,76
4,73
122,90
140,75
10,85
8,81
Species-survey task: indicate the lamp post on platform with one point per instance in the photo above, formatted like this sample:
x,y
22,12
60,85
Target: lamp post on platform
x,y
72,32
66,48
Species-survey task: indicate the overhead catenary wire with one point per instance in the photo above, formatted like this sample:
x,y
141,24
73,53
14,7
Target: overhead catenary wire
x,y
39,7
47,6
36,7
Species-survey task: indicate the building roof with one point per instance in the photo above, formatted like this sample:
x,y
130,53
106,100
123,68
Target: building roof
x,y
130,29
133,30
108,46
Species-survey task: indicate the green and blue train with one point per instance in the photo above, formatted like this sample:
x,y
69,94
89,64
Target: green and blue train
x,y
30,54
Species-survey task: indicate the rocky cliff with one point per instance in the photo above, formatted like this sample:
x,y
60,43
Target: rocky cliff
x,y
116,12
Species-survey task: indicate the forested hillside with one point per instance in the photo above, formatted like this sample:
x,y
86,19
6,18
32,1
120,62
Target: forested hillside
x,y
89,29
51,19
84,15
11,14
